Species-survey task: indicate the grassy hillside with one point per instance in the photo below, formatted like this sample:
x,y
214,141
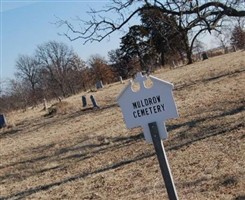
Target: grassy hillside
x,y
89,154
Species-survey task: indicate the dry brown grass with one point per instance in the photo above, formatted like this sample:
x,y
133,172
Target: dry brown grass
x,y
89,154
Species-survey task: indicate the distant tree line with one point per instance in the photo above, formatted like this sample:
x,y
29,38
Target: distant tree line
x,y
53,71
167,32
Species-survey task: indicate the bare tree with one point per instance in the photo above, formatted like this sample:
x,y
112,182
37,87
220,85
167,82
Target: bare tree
x,y
121,64
100,69
198,46
18,94
77,76
193,16
27,70
55,59
240,22
223,38
54,71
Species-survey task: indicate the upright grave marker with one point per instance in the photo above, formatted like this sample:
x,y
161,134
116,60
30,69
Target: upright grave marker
x,y
3,121
120,79
45,104
149,108
84,100
95,105
204,56
99,85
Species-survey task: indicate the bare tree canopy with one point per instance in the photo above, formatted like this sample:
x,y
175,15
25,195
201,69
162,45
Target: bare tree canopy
x,y
54,70
189,13
27,68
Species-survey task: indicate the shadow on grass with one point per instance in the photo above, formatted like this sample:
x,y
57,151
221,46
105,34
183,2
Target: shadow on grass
x,y
47,120
194,139
84,152
125,141
32,160
9,133
204,80
109,144
193,183
31,191
85,111
219,181
187,137
193,123
240,197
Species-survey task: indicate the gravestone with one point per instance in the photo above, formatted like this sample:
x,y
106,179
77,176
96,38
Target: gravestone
x,y
204,56
174,65
84,100
94,102
120,79
99,85
226,50
3,121
45,105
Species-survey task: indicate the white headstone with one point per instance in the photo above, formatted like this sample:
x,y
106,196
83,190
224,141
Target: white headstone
x,y
45,105
121,80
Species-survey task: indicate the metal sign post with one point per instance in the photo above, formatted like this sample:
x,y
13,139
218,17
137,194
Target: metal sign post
x,y
163,161
149,107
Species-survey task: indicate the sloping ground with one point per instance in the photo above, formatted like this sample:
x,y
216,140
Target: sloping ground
x,y
89,154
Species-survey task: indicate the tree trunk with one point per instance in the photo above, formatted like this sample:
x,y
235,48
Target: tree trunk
x,y
162,59
189,56
187,49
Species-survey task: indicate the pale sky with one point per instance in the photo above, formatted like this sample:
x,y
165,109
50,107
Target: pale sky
x,y
26,24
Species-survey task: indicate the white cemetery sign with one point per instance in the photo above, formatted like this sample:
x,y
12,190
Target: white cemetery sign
x,y
154,104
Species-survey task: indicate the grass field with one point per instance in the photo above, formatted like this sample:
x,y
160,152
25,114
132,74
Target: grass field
x,y
89,154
